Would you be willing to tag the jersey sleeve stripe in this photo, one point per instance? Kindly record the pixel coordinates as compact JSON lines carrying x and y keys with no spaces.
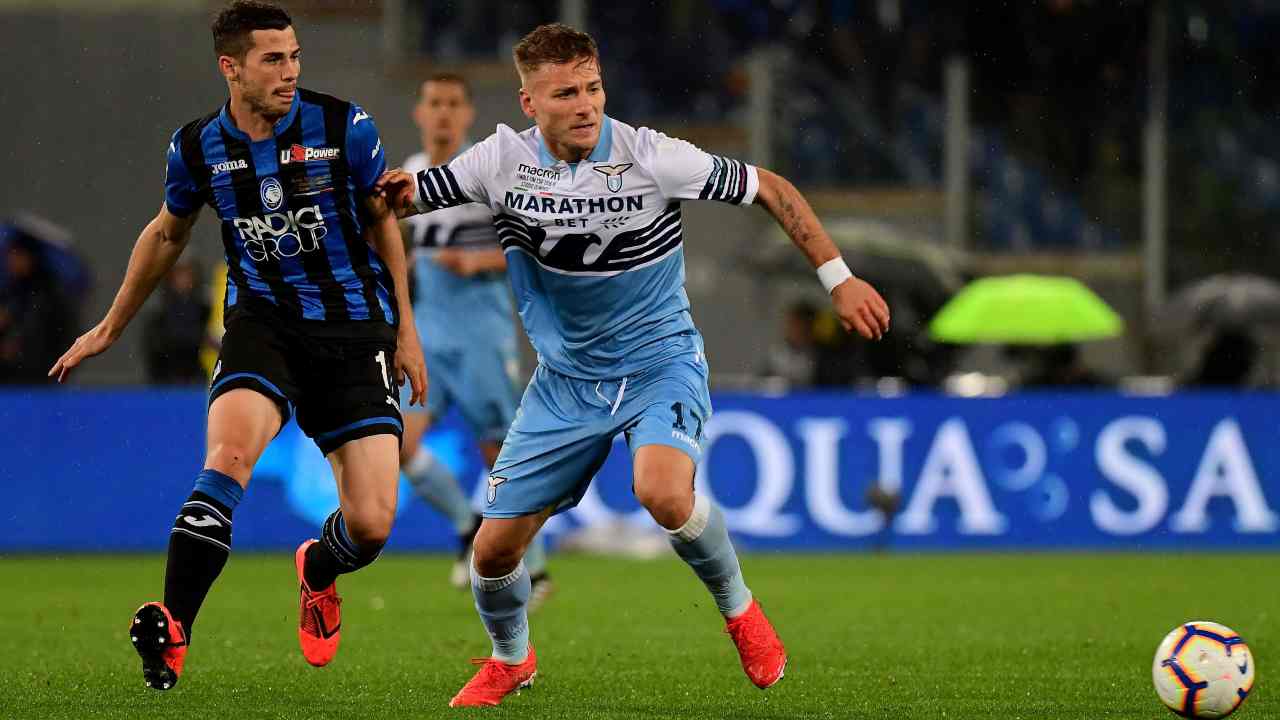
{"x":741,"y":186}
{"x":438,"y":189}
{"x":454,"y":188}
{"x":428,"y":197}
{"x":729,"y":181}
{"x":721,"y":179}
{"x":446,"y":189}
{"x":711,"y":179}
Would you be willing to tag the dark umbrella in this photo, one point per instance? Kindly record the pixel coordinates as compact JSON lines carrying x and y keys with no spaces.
{"x":51,"y":243}
{"x":1226,"y":300}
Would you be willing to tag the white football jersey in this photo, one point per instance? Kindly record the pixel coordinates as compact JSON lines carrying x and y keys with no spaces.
{"x":593,"y":248}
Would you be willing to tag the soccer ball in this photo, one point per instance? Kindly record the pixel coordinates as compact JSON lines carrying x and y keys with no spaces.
{"x":1203,"y":670}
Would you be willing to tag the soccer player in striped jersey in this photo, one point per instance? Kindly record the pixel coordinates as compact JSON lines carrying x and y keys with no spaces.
{"x":464,"y":314}
{"x":588,"y":212}
{"x":315,"y":295}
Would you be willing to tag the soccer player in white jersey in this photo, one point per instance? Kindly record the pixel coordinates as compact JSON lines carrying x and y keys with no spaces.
{"x":588,"y":212}
{"x":464,"y":315}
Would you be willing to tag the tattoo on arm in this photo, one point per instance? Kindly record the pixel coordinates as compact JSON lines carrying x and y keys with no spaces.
{"x":792,"y":222}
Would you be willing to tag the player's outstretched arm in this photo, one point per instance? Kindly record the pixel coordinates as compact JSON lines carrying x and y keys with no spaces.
{"x":397,"y":187}
{"x":158,"y":247}
{"x":384,"y":235}
{"x":856,"y":303}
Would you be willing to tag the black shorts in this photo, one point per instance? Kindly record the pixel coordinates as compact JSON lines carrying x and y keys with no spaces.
{"x":339,"y":384}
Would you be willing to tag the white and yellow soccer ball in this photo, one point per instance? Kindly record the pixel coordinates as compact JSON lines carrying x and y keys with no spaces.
{"x":1203,"y":670}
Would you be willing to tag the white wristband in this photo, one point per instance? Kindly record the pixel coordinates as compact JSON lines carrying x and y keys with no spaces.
{"x":833,"y":272}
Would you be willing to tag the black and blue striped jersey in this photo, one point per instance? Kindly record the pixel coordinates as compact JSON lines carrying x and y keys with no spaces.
{"x":291,"y":209}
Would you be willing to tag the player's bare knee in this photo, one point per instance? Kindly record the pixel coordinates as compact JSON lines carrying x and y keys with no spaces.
{"x":234,"y":459}
{"x":371,"y":532}
{"x":494,"y":558}
{"x":668,"y":504}
{"x":371,"y":536}
{"x":370,"y":527}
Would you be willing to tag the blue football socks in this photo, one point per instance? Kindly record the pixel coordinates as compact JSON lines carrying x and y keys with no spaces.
{"x":501,"y":603}
{"x":435,"y":483}
{"x":703,"y":542}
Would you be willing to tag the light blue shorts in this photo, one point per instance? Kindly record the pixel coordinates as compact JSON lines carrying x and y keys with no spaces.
{"x":478,"y":380}
{"x":565,"y":427}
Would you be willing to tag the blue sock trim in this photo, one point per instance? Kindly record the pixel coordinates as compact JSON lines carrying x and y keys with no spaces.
{"x":338,"y":542}
{"x":222,"y":488}
{"x":344,"y":537}
{"x":715,"y":562}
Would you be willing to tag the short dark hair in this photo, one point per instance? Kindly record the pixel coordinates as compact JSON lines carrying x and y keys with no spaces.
{"x":234,"y":25}
{"x":448,"y":77}
{"x":554,"y":43}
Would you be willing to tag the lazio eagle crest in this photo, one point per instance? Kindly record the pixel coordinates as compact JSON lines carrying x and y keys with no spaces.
{"x":613,"y":174}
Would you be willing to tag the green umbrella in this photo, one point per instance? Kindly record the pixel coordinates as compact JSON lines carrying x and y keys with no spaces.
{"x":1025,"y":310}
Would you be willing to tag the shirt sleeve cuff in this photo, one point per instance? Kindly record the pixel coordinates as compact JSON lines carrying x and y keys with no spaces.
{"x":753,"y":185}
{"x":178,"y":210}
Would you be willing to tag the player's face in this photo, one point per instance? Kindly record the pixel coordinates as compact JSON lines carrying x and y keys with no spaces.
{"x":268,"y":77}
{"x":443,"y":112}
{"x":567,"y":102}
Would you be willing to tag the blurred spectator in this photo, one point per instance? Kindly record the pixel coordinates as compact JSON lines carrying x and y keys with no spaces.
{"x":35,"y":317}
{"x":454,"y":31}
{"x":1060,"y":366}
{"x":1228,"y":360}
{"x":795,"y":358}
{"x":175,"y":331}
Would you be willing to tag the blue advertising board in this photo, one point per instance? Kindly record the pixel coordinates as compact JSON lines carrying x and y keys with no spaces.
{"x":90,"y":470}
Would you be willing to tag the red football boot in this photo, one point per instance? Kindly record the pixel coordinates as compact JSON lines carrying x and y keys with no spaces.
{"x":319,"y":615}
{"x":161,"y":642}
{"x":496,"y":680}
{"x":763,"y":657}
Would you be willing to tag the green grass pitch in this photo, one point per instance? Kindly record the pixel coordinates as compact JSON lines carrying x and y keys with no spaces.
{"x":891,"y":636}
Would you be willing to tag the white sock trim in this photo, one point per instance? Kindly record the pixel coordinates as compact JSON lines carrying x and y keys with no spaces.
{"x":511,"y":659}
{"x":495,"y":584}
{"x":697,"y":522}
{"x":738,"y":611}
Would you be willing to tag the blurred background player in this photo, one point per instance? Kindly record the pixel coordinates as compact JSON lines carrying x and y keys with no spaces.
{"x":588,"y":209}
{"x":42,"y":282}
{"x":466,"y":322}
{"x":317,"y":283}
{"x":175,"y":332}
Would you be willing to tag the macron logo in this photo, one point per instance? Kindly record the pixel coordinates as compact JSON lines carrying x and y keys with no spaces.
{"x":362,"y":115}
{"x":206,"y":521}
